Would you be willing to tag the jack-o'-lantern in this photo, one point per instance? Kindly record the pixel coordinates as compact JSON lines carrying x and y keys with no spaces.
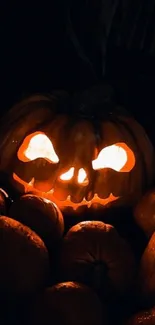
{"x":93,"y":154}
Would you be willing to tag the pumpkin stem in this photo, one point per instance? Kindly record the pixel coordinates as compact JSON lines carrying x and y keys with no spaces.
{"x":94,"y":101}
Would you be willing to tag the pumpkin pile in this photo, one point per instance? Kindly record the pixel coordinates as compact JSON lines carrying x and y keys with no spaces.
{"x":77,"y":213}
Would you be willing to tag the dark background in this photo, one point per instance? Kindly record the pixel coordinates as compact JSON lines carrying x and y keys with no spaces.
{"x":43,"y":47}
{"x":73,"y":45}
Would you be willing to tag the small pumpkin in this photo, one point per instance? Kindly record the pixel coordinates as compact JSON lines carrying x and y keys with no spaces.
{"x":68,"y":303}
{"x":5,"y":202}
{"x":144,"y":213}
{"x":93,"y":253}
{"x":88,"y":152}
{"x":146,"y":276}
{"x":144,"y":317}
{"x":24,"y":266}
{"x":41,"y":215}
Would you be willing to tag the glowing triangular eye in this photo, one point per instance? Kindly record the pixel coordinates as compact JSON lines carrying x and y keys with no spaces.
{"x":116,"y":157}
{"x":37,"y":145}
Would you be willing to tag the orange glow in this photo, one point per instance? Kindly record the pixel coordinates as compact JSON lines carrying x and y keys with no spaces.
{"x":82,"y":177}
{"x":118,"y":157}
{"x":66,"y":203}
{"x":68,"y":175}
{"x":37,"y":145}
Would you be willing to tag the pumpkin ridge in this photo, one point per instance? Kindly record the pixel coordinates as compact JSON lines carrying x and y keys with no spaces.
{"x":144,"y":176}
{"x":149,"y":168}
{"x":18,"y":113}
{"x":117,"y":122}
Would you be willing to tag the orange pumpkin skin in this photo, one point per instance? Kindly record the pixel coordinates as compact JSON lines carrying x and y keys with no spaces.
{"x":25,"y":265}
{"x":68,"y":303}
{"x":41,"y":215}
{"x":144,"y":213}
{"x":77,"y":141}
{"x":146,"y":276}
{"x":5,"y":202}
{"x":93,"y":253}
{"x":145,"y":317}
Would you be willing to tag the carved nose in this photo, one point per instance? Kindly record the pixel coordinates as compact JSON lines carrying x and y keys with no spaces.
{"x":77,"y":176}
{"x":82,"y":178}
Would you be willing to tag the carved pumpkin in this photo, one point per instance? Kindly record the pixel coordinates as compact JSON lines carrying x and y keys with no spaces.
{"x":75,"y":159}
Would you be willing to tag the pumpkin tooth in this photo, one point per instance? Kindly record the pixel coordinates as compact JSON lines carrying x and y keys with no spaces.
{"x":31,"y":183}
{"x":89,"y":204}
{"x":51,"y":191}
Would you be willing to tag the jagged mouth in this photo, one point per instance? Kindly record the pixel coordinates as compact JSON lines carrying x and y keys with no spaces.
{"x":62,"y":204}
